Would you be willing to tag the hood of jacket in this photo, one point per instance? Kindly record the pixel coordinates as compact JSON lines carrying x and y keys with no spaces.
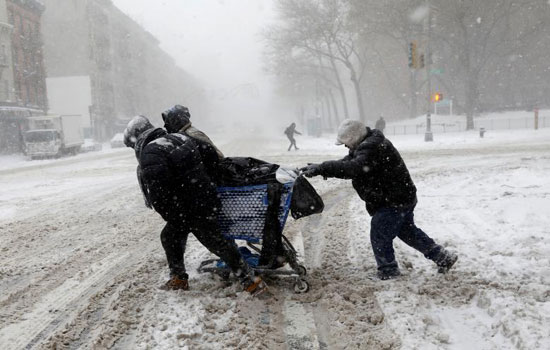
{"x":174,"y":122}
{"x":375,"y":133}
{"x":146,"y":137}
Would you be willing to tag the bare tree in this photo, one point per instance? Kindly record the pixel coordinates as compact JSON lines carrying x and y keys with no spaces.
{"x":397,"y":23}
{"x":303,"y":73}
{"x":475,"y":34}
{"x":322,"y":29}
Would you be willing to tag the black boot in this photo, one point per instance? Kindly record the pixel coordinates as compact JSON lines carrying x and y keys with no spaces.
{"x":388,"y":274}
{"x":445,"y":260}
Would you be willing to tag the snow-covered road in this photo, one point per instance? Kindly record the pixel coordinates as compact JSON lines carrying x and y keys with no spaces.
{"x":81,"y":260}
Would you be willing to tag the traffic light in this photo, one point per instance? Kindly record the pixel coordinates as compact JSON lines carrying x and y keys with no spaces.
{"x":412,"y":55}
{"x":438,"y":96}
{"x":421,"y":61}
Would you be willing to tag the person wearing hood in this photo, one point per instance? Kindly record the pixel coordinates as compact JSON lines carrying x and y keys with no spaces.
{"x":178,"y":120}
{"x":382,"y":181}
{"x":175,"y":182}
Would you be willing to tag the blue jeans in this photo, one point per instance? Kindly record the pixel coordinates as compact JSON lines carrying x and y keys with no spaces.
{"x":388,"y":223}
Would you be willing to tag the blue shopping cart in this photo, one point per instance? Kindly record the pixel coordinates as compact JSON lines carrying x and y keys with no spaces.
{"x":242,"y":217}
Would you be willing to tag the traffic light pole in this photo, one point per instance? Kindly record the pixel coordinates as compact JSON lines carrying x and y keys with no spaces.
{"x":428,"y":136}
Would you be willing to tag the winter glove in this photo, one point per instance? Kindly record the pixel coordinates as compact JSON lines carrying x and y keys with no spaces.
{"x":311,"y":170}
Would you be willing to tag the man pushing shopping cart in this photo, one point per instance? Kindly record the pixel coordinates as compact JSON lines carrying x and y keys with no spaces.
{"x":178,"y":176}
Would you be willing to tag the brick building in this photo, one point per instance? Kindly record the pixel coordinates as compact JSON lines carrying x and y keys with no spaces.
{"x":22,"y":76}
{"x":129,"y":74}
{"x":28,"y":65}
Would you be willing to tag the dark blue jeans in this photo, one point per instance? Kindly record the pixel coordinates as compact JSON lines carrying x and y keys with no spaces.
{"x":388,"y":223}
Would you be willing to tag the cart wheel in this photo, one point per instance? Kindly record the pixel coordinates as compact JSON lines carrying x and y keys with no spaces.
{"x":301,"y":286}
{"x":300,"y":270}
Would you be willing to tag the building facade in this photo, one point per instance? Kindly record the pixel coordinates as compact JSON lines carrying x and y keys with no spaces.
{"x":22,"y":76}
{"x":7,"y":92}
{"x":129,"y":73}
{"x":28,"y":65}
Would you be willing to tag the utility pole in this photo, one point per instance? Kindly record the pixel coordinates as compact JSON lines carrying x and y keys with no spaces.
{"x":428,"y":136}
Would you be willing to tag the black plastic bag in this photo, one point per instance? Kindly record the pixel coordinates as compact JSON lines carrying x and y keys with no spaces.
{"x":244,"y":171}
{"x":305,"y":200}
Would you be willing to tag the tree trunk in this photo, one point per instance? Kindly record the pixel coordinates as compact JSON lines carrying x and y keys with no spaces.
{"x":471,"y":100}
{"x":340,"y":88}
{"x":330,"y":122}
{"x":335,"y":108}
{"x":359,"y":95}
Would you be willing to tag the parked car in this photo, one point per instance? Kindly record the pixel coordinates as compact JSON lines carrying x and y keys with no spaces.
{"x":118,"y":140}
{"x":90,"y":145}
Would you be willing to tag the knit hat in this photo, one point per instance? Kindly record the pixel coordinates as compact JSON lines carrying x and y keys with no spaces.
{"x":351,"y":133}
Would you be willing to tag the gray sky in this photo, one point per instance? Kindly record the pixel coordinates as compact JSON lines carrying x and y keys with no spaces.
{"x":218,"y":41}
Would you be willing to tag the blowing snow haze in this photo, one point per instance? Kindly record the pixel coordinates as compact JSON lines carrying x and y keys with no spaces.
{"x":454,"y":167}
{"x":253,"y":66}
{"x":220,"y":44}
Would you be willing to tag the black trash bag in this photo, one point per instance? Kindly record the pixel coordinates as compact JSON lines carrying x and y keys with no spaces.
{"x":305,"y":200}
{"x":244,"y":171}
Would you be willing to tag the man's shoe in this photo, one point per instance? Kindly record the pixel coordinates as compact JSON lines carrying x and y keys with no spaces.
{"x":272,"y":263}
{"x":254,"y":285}
{"x":388,"y":274}
{"x":176,"y":283}
{"x":446,"y":261}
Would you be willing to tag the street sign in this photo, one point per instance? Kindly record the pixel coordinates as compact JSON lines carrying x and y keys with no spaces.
{"x":436,"y":71}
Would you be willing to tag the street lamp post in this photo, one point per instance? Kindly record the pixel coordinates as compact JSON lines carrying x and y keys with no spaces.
{"x":428,"y":136}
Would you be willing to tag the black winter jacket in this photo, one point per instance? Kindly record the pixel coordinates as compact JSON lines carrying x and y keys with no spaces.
{"x":175,"y":178}
{"x":377,"y":171}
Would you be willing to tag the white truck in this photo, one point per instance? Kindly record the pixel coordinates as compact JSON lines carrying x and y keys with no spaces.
{"x":53,"y":136}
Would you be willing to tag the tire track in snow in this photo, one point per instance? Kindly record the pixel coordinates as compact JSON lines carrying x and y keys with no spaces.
{"x":43,"y":319}
{"x":300,"y":329}
{"x":341,"y":299}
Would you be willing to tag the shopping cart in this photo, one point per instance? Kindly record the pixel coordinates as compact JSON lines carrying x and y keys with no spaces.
{"x":242,"y":217}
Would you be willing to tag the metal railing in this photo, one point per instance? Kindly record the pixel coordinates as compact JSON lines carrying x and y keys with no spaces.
{"x":488,"y":124}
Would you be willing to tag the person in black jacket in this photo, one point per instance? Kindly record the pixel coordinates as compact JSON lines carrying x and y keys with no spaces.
{"x":177,"y":120}
{"x":381,"y":179}
{"x":380,"y":124}
{"x":289,"y":132}
{"x":175,"y":182}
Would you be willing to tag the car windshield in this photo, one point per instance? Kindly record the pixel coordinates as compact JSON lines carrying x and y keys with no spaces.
{"x":40,"y":136}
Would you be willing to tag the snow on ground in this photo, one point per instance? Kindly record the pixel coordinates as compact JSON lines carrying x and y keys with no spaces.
{"x":81,"y":259}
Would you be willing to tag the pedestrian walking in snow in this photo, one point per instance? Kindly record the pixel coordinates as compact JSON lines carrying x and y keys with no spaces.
{"x":289,"y":132}
{"x":380,"y":124}
{"x":175,"y":182}
{"x":381,"y":179}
